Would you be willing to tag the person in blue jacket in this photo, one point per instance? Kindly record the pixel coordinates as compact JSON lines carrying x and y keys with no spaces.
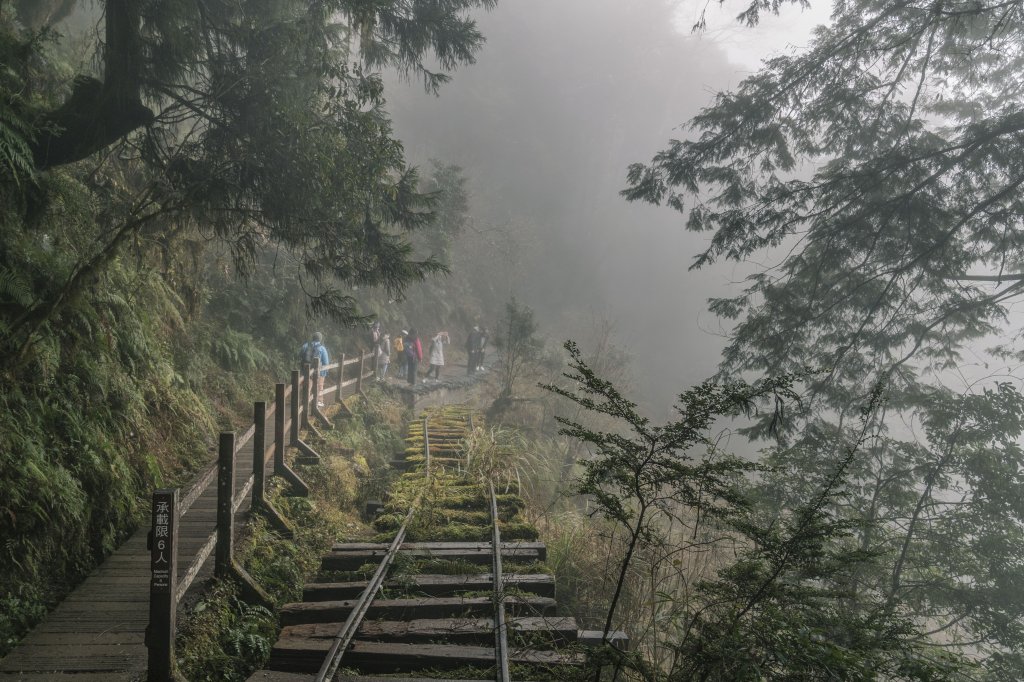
{"x":312,"y":349}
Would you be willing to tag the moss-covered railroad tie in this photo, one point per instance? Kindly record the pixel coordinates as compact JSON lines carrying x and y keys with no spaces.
{"x":431,"y":610}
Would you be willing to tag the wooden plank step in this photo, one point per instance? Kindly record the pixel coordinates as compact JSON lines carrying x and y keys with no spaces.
{"x":39,"y":637}
{"x":350,"y":561}
{"x":557,"y":631}
{"x":364,"y":678}
{"x":386,"y":657}
{"x":95,"y":625}
{"x":277,"y":676}
{"x":108,"y":676}
{"x":383,"y":546}
{"x":405,"y":609}
{"x":75,"y":658}
{"x":434,"y":585}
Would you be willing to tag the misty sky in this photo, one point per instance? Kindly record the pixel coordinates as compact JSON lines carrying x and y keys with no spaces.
{"x":565,"y":94}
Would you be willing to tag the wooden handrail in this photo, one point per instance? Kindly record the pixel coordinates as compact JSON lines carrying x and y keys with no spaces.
{"x":221,"y":537}
{"x":185,"y":580}
{"x":197,"y":489}
{"x":243,"y":440}
{"x":243,"y":493}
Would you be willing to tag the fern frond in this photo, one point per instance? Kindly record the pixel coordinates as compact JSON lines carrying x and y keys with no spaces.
{"x":15,"y":288}
{"x":16,"y":135}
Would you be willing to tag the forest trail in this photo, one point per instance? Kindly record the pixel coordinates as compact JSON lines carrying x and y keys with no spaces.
{"x":98,"y":631}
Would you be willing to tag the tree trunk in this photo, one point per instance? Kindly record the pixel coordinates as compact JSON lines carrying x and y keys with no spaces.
{"x":98,"y":114}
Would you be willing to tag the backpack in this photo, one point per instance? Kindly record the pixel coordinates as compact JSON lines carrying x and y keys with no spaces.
{"x":309,"y":353}
{"x":399,"y":345}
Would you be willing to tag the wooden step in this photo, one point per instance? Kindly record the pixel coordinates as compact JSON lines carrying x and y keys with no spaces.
{"x":382,"y":547}
{"x":554,"y":631}
{"x":405,"y":609}
{"x":435,"y":585}
{"x":374,"y":678}
{"x":277,"y":676}
{"x":352,"y":556}
{"x":387,"y":657}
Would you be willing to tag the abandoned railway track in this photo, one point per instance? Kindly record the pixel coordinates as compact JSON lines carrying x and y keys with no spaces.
{"x":454,"y":585}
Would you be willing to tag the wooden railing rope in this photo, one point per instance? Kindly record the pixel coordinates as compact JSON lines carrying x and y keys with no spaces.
{"x":291,"y":409}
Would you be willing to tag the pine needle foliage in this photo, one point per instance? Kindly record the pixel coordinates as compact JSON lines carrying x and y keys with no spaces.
{"x":881,"y":169}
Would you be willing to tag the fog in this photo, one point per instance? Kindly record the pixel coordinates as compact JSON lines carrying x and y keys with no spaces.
{"x":566,"y":94}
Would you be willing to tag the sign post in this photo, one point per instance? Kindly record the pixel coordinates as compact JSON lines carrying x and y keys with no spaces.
{"x":163,"y":585}
{"x":224,"y":548}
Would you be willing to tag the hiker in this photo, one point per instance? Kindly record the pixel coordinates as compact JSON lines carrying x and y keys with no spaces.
{"x":481,"y":345}
{"x":413,"y":355}
{"x":383,"y":356}
{"x":472,"y":342}
{"x":437,"y":354}
{"x":313,"y":349}
{"x":375,"y":336}
{"x":310,"y":351}
{"x":400,"y":353}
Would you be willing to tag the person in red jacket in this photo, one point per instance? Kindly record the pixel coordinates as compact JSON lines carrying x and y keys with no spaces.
{"x":413,"y":354}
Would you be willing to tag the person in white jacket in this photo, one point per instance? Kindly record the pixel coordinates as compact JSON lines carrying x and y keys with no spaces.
{"x":436,"y":354}
{"x":383,"y":356}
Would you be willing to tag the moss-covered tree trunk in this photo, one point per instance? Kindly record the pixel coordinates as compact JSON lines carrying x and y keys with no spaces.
{"x":97,"y":113}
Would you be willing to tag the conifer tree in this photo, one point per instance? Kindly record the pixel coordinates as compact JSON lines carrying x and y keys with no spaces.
{"x":881,"y":168}
{"x":252,"y":122}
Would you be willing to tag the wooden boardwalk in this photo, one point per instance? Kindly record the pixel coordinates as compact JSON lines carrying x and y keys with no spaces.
{"x":98,"y":631}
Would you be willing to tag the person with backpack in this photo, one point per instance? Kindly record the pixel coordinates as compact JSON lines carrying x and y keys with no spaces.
{"x":437,"y":354}
{"x":400,"y":353}
{"x":413,"y":355}
{"x":313,"y":349}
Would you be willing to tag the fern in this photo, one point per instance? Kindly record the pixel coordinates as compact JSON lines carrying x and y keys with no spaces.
{"x":14,"y":288}
{"x":238,"y":351}
{"x":16,"y":135}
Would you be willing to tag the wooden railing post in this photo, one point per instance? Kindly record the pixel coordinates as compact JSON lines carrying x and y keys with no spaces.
{"x":225,"y":506}
{"x":305,"y":395}
{"x":315,"y":402}
{"x":341,"y":377}
{"x":359,"y":380}
{"x":259,"y":450}
{"x":295,"y":406}
{"x":279,"y":413}
{"x":163,"y":586}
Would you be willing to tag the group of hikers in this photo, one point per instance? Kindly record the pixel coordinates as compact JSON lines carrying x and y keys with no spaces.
{"x":408,"y":352}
